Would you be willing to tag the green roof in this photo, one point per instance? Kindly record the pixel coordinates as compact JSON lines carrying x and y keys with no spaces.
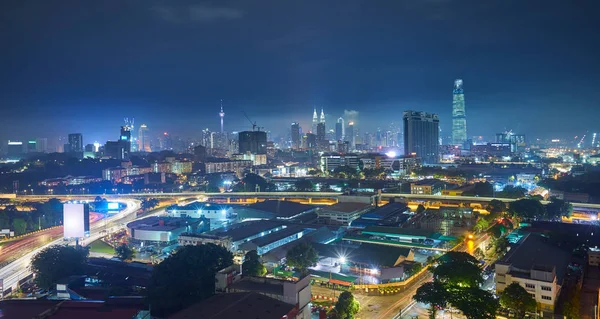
{"x":401,"y":232}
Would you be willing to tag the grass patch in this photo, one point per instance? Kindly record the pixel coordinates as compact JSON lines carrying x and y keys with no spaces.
{"x":98,"y":246}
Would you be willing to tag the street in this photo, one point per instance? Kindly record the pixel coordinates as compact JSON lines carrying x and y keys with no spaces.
{"x":19,"y":268}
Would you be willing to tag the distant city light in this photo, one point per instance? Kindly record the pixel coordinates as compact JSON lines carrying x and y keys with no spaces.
{"x":391,"y":154}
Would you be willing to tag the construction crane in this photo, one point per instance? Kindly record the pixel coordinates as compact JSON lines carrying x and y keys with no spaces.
{"x":581,"y":141}
{"x":254,"y":126}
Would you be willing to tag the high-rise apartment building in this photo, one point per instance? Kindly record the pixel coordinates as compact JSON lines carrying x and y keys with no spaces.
{"x":143,"y":139}
{"x":254,"y":142}
{"x":459,"y":119}
{"x":339,"y":130}
{"x":125,"y":138}
{"x":295,"y":135}
{"x":350,"y":135}
{"x":76,"y":143}
{"x":321,"y":132}
{"x":421,"y":135}
{"x":41,"y":144}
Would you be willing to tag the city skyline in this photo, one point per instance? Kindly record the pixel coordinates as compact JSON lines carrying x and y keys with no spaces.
{"x":523,"y":76}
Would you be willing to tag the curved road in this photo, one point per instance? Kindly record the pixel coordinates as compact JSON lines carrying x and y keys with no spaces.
{"x":19,"y":269}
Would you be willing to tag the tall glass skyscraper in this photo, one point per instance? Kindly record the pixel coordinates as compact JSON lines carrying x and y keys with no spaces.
{"x":459,"y":119}
{"x":421,"y":136}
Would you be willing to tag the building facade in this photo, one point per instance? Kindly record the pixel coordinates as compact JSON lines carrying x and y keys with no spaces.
{"x":459,"y":119}
{"x":421,"y":136}
{"x":254,"y":142}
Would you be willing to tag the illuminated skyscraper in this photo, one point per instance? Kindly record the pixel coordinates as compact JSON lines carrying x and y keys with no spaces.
{"x":421,"y":136}
{"x":143,"y":139}
{"x":350,"y":137}
{"x":295,"y":133}
{"x":315,"y":121}
{"x":322,"y":117}
{"x":459,"y":119}
{"x":75,"y":143}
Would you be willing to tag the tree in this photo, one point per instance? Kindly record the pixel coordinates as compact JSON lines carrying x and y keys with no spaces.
{"x":458,"y":274}
{"x":414,"y":269}
{"x":478,"y":253}
{"x":4,"y":220}
{"x":527,"y":208}
{"x":517,"y":299}
{"x":458,"y":257}
{"x":496,"y":206}
{"x":19,"y":226}
{"x":558,"y":208}
{"x":124,"y":252}
{"x":475,"y":303}
{"x":302,"y":256}
{"x":420,"y":209}
{"x":434,"y":294}
{"x":303,"y":185}
{"x":571,"y":307}
{"x":511,"y":191}
{"x":186,"y":277}
{"x":501,"y":245}
{"x":481,"y":224}
{"x":149,"y":203}
{"x":56,"y":262}
{"x":345,"y":172}
{"x":252,"y":265}
{"x":347,"y":306}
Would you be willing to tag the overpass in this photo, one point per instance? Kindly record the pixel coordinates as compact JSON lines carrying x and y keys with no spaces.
{"x":322,"y":198}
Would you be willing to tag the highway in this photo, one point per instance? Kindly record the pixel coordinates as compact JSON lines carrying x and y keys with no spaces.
{"x":19,"y":268}
{"x":15,"y":248}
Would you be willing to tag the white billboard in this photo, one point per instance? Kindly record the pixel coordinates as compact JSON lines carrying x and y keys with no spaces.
{"x":75,"y":220}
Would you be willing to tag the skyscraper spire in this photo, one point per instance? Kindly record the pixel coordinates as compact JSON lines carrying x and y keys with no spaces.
{"x":322,"y":118}
{"x":222,"y":115}
{"x":315,"y":121}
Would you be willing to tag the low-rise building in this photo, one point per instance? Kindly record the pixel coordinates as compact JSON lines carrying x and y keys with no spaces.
{"x":232,"y":305}
{"x":274,"y":209}
{"x":330,"y":161}
{"x":536,"y":265}
{"x":391,"y":214}
{"x":232,"y":236}
{"x":427,"y":187}
{"x":264,"y":244}
{"x":594,"y":256}
{"x":162,"y":229}
{"x":342,"y":213}
{"x":228,"y":166}
{"x":257,"y":159}
{"x":218,"y":215}
{"x":297,"y":293}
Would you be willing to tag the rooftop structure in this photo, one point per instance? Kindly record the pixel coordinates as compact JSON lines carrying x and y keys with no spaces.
{"x":233,"y":235}
{"x":162,"y":229}
{"x":273,"y":240}
{"x":234,"y":305}
{"x":538,"y":266}
{"x":274,"y":209}
{"x":391,"y":214}
{"x":342,"y":213}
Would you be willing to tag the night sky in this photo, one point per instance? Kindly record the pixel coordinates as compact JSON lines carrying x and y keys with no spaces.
{"x":82,"y":66}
